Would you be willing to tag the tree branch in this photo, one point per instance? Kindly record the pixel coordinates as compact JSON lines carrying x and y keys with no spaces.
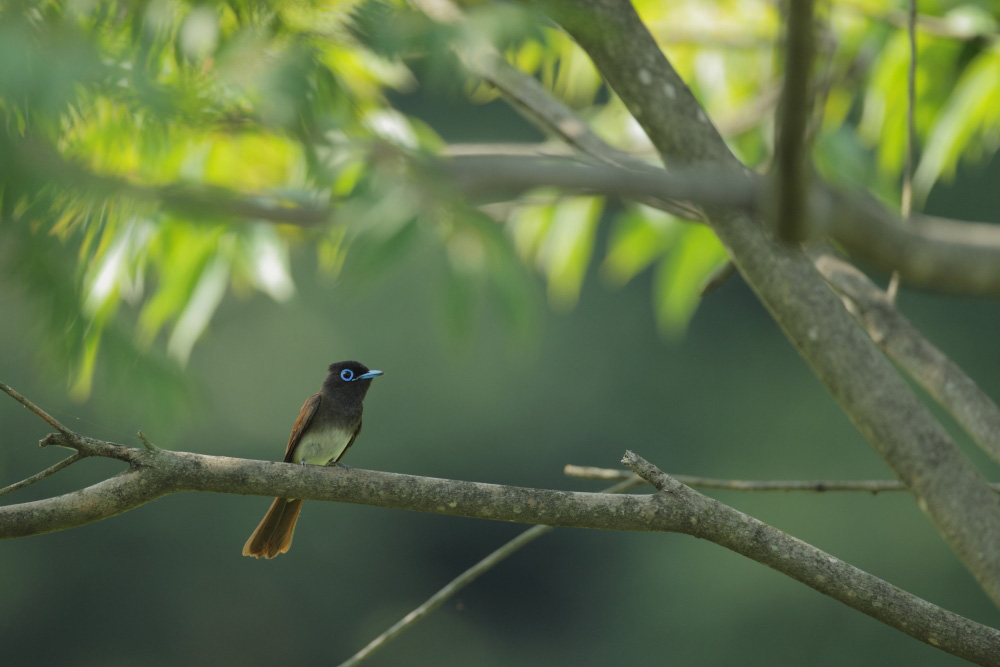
{"x":886,"y":411}
{"x":940,"y":377}
{"x":676,"y":508}
{"x":45,"y":416}
{"x":872,"y":486}
{"x":51,"y":470}
{"x":793,"y":165}
{"x":931,"y":252}
{"x":745,"y":535}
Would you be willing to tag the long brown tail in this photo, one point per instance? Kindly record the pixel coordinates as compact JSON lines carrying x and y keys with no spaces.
{"x":274,"y":534}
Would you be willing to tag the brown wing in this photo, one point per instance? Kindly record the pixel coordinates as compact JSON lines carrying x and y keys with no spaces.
{"x":306,"y":415}
{"x":351,"y":442}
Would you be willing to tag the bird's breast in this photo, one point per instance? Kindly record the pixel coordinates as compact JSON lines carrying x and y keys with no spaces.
{"x":319,"y":447}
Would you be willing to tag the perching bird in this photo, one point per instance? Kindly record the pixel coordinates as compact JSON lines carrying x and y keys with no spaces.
{"x":327,"y":426}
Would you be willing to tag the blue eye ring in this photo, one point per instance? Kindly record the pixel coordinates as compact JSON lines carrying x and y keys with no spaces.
{"x":347,"y":375}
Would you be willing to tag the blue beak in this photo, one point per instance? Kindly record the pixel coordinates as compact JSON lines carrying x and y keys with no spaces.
{"x":369,"y":375}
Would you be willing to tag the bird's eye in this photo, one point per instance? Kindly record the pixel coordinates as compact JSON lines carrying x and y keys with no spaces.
{"x":347,"y":375}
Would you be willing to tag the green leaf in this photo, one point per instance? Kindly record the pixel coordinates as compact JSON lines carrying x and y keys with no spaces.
{"x":641,"y":235}
{"x":199,"y":308}
{"x":679,"y":278}
{"x":969,"y":124}
{"x":567,"y":248}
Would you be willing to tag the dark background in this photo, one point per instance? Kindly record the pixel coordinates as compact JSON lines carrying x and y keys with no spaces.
{"x":165,"y":584}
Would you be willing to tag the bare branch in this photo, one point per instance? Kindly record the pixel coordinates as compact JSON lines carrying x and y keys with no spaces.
{"x":948,"y":384}
{"x":792,"y":158}
{"x":152,"y":475}
{"x":51,"y":470}
{"x":510,"y":176}
{"x":718,"y":278}
{"x":45,"y":416}
{"x":873,"y":486}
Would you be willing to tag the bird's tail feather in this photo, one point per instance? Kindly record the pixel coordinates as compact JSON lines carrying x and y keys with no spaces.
{"x":274,"y":534}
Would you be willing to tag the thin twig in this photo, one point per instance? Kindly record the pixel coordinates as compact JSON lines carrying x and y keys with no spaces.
{"x":717,"y":279}
{"x":906,"y":197}
{"x":819,"y":485}
{"x":463,"y":580}
{"x":150,"y":447}
{"x":49,"y":419}
{"x":51,"y":470}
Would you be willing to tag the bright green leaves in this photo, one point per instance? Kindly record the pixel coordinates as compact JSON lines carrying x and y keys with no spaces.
{"x":558,"y":238}
{"x":968,"y":124}
{"x":178,"y":151}
{"x":641,"y":236}
{"x":685,"y":254}
{"x":681,"y":275}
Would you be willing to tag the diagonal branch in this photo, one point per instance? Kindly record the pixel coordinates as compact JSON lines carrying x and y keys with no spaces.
{"x":884,"y":409}
{"x":45,"y":416}
{"x":940,"y":377}
{"x":37,"y":477}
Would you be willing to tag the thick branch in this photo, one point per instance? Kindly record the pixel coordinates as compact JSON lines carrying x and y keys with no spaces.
{"x":930,"y":252}
{"x":959,"y":394}
{"x":677,"y":509}
{"x":719,"y":523}
{"x":886,"y":411}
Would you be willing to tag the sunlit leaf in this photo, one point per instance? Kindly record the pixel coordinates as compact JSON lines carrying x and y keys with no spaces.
{"x":199,"y":308}
{"x":641,"y":235}
{"x":972,"y":112}
{"x":565,"y":253}
{"x":679,"y":277}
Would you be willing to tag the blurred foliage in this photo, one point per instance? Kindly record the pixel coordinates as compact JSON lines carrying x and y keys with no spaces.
{"x":176,"y":151}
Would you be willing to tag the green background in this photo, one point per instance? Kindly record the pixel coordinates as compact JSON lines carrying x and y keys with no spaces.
{"x":165,"y":584}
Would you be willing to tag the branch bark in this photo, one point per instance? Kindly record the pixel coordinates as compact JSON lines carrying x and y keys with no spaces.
{"x":929,"y":367}
{"x":886,"y":411}
{"x":676,"y":508}
{"x":935,"y":253}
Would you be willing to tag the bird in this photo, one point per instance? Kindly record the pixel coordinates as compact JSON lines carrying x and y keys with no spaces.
{"x":328,"y":424}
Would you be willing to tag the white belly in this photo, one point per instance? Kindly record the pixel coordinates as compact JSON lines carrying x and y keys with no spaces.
{"x":321,"y":447}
